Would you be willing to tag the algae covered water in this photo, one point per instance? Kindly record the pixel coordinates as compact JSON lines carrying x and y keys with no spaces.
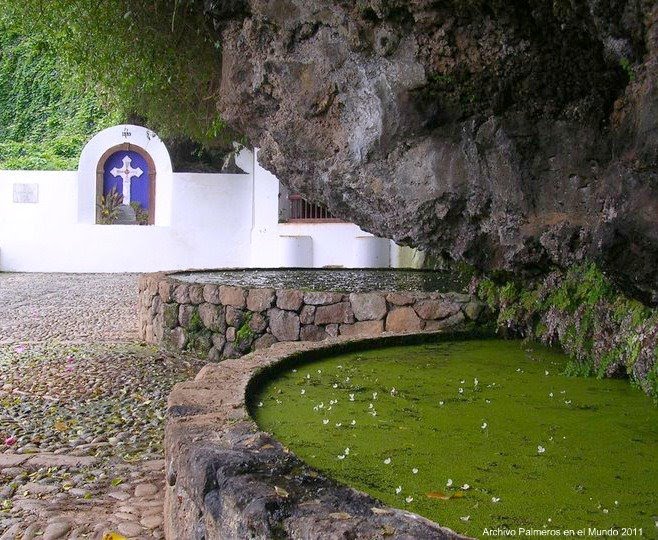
{"x":480,"y":436}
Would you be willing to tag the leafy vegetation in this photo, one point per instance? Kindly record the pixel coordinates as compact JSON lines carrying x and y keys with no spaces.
{"x":45,"y":119}
{"x":154,"y":58}
{"x":605,"y":333}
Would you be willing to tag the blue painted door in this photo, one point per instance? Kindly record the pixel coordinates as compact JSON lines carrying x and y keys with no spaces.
{"x":129,"y":171}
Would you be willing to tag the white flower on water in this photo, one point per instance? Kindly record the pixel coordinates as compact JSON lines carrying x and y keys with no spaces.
{"x":398,"y":490}
{"x":353,"y":422}
{"x":387,"y":461}
{"x":321,"y":405}
{"x":394,"y":392}
{"x":303,"y":391}
{"x":374,"y":395}
{"x":308,"y":375}
{"x":441,"y":403}
{"x":495,"y":499}
{"x":550,"y":395}
{"x":605,"y":510}
{"x":370,"y":406}
{"x":329,"y":408}
{"x":546,"y":372}
{"x":294,"y":371}
{"x":462,"y":382}
{"x":332,"y":402}
{"x":341,"y":457}
{"x":260,"y":403}
{"x":339,"y":367}
{"x":518,"y":369}
{"x":351,"y":397}
{"x":325,"y":421}
{"x":465,"y":518}
{"x":475,"y":382}
{"x":616,"y":503}
{"x":278,"y":402}
{"x":315,"y":408}
{"x":409,"y":499}
{"x":484,"y":425}
{"x":461,"y":390}
{"x":449,"y":482}
{"x":347,"y":379}
{"x":487,"y":401}
{"x":466,"y":487}
{"x":374,"y":413}
{"x":540,"y":449}
{"x":335,"y":385}
{"x":347,"y":451}
{"x":319,"y":371}
{"x":414,"y":470}
{"x":567,"y":402}
{"x":339,"y":424}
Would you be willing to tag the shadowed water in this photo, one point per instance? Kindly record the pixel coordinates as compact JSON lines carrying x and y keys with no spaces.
{"x":354,"y":280}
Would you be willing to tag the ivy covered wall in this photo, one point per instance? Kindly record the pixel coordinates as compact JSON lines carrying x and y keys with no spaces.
{"x":46,"y":116}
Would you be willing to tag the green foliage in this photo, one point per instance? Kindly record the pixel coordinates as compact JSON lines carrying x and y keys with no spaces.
{"x":605,"y":333}
{"x":108,"y":207}
{"x":157,"y":58}
{"x":45,"y":120}
{"x":625,"y":64}
{"x":141,"y":215}
{"x":245,"y":333}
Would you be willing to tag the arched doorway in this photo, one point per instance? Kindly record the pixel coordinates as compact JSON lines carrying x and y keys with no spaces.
{"x":127,"y":174}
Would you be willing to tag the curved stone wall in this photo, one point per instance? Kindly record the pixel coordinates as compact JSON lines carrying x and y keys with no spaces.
{"x":227,"y":479}
{"x":219,"y":321}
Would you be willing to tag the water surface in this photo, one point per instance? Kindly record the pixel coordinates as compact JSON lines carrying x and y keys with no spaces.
{"x":474,"y":434}
{"x":345,"y":280}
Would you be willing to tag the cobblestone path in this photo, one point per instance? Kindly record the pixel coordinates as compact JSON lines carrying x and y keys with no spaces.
{"x":82,"y":406}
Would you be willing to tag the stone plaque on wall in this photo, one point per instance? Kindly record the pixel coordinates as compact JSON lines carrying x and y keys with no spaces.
{"x":26,"y":193}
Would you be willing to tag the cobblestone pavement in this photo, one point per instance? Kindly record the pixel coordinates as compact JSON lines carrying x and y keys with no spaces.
{"x":68,"y":307}
{"x":82,"y":405}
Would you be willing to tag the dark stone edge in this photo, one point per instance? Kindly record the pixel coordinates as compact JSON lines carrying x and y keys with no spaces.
{"x":227,"y":479}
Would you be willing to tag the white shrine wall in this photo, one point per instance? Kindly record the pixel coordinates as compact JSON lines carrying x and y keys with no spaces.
{"x":201,"y":221}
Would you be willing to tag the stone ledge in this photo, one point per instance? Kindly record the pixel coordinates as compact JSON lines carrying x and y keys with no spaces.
{"x":217,"y":321}
{"x":227,"y":479}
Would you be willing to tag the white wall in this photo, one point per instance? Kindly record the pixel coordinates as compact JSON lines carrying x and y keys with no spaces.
{"x":205,"y":221}
{"x":210,"y":228}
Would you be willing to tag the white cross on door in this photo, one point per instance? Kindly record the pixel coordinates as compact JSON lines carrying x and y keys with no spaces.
{"x":126,"y":173}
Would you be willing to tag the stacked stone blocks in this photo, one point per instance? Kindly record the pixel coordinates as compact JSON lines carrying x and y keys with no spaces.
{"x":221,"y":321}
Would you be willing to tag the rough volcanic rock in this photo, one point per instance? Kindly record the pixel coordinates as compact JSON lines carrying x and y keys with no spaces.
{"x":513,"y":135}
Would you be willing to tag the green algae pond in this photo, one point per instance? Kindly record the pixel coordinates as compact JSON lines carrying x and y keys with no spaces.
{"x":482,"y":436}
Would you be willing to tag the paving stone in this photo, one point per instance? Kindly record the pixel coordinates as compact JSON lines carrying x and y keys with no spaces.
{"x":12,"y":460}
{"x":130,"y":529}
{"x":52,"y":460}
{"x":119,"y":495}
{"x":56,"y":530}
{"x":145,"y":490}
{"x":151,"y":522}
{"x":39,"y":489}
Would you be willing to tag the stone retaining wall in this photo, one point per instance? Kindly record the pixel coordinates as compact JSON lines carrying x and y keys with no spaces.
{"x":219,"y":321}
{"x":227,"y":479}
